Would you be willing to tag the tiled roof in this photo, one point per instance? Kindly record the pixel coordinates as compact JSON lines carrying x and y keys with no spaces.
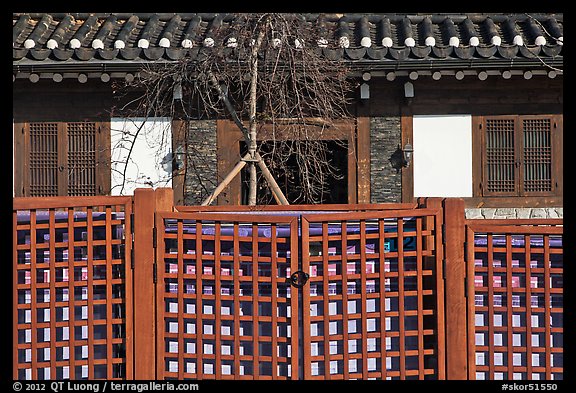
{"x":384,"y":40}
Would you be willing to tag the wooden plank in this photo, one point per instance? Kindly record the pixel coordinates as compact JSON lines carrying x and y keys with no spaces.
{"x":471,"y":308}
{"x":547,"y":309}
{"x":52,"y":250}
{"x":236,"y":313}
{"x":363,"y":158}
{"x":15,"y":296}
{"x":401,"y":294}
{"x":128,"y":291}
{"x":306,"y":334}
{"x":455,"y":273}
{"x":90,"y":284}
{"x":144,"y":299}
{"x":528,"y":279}
{"x":420,"y":300}
{"x":352,"y":166}
{"x":179,"y":128}
{"x":199,"y":306}
{"x":345,"y":207}
{"x":407,"y":172}
{"x":477,"y":156}
{"x":33,"y":303}
{"x":25,"y":203}
{"x":103,"y":158}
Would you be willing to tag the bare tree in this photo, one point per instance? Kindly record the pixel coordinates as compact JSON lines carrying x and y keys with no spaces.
{"x":261,"y":71}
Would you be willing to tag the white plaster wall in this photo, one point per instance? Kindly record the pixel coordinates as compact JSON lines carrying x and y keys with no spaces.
{"x":442,"y":156}
{"x":149,"y":164}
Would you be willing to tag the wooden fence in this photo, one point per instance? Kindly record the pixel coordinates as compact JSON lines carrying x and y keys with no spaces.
{"x":136,"y":288}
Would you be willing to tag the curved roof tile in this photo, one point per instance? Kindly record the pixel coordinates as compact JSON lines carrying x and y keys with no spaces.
{"x":377,"y":38}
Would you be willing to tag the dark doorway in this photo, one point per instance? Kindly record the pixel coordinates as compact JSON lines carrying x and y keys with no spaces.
{"x":288,"y":175}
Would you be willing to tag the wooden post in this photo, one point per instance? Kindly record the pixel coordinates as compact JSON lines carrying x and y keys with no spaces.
{"x":146,"y":202}
{"x":436,"y":223}
{"x":363,"y":160}
{"x":454,"y":285}
{"x":179,"y":128}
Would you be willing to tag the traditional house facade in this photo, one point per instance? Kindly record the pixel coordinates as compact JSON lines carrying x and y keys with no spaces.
{"x":476,"y":98}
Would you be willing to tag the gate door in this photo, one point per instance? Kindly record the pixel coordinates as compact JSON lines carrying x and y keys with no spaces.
{"x":72,"y":287}
{"x":515,"y":301}
{"x":374,"y":304}
{"x":226,"y":308}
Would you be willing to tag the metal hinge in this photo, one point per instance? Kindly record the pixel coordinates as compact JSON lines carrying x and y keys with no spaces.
{"x":465,"y":287}
{"x":444,"y":269}
{"x":155,"y":272}
{"x":154,"y":237}
{"x":132,"y":259}
{"x":132,"y":223}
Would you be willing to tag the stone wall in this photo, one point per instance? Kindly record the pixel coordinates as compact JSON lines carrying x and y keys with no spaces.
{"x":385,"y":179}
{"x":201,"y":174}
{"x":516,"y":212}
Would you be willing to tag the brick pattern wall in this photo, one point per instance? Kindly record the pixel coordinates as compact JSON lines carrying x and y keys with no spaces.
{"x":385,"y":179}
{"x":201,"y":176}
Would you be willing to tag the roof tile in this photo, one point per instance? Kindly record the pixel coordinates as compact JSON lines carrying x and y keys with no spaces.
{"x":379,"y":38}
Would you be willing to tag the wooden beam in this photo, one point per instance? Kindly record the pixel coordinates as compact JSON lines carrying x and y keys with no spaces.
{"x":455,"y":290}
{"x":178,"y":175}
{"x":146,"y":202}
{"x":363,"y":160}
{"x":407,"y":172}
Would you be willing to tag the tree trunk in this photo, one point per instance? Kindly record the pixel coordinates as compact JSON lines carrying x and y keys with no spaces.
{"x":253,"y":182}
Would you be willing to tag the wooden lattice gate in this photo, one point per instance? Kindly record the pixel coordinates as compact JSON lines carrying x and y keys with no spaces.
{"x":136,"y":288}
{"x":72,"y":296}
{"x":291,"y":295}
{"x":515,"y":301}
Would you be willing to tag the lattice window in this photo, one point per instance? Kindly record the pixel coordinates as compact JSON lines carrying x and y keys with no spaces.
{"x":43,"y":159}
{"x":61,"y":159}
{"x":519,"y":156}
{"x":500,"y":155}
{"x":537,"y":155}
{"x":81,"y":158}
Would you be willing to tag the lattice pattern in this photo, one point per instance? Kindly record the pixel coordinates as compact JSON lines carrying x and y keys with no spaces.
{"x":500,"y":155}
{"x":81,"y":158}
{"x":43,"y":159}
{"x":225,"y":308}
{"x":537,"y":155}
{"x":373,"y":296}
{"x":70,"y":284}
{"x":516,"y":306}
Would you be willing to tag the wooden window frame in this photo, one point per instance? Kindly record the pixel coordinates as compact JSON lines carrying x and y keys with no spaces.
{"x":22,"y":154}
{"x":520,"y":198}
{"x":354,"y":132}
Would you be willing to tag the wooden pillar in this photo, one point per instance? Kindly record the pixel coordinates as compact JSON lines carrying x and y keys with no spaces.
{"x":179,"y":145}
{"x":454,"y":286}
{"x":363,"y":151}
{"x":146,"y":202}
{"x":407,"y":172}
